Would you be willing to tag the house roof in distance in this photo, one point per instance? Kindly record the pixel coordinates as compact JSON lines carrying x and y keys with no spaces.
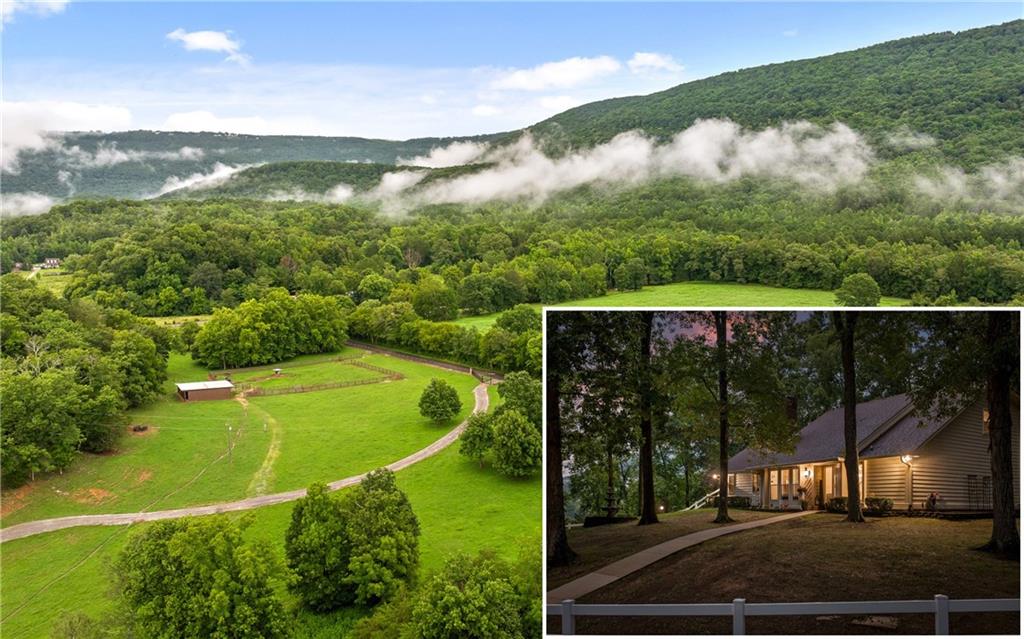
{"x":208,"y":385}
{"x":885,"y":427}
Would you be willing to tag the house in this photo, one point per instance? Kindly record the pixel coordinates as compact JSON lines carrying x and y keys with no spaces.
{"x":198,"y":391}
{"x":904,"y":456}
{"x":51,"y":262}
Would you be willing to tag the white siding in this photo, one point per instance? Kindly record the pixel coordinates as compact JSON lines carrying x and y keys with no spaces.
{"x":745,"y":482}
{"x":959,"y":450}
{"x":887,"y":477}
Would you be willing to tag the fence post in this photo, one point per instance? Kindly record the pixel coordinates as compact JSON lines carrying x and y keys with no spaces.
{"x":739,"y":621}
{"x":568,"y":622}
{"x":941,"y":615}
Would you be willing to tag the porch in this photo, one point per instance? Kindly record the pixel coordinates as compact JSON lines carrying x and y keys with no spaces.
{"x":795,"y":487}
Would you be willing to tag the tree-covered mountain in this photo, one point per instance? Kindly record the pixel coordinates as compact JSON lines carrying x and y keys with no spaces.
{"x":138,"y":164}
{"x":964,"y":89}
{"x":309,"y":179}
{"x":945,"y":98}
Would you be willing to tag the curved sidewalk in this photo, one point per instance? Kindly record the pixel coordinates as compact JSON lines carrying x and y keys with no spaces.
{"x":30,"y":528}
{"x":614,"y":571}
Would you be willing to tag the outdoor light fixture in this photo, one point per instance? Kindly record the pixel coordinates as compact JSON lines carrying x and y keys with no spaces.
{"x":715,"y":476}
{"x":906,"y":459}
{"x":807,"y":472}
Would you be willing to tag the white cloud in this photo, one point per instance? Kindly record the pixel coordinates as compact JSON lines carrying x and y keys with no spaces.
{"x":567,"y":73}
{"x":647,"y":62}
{"x":905,"y":139}
{"x":31,"y":126}
{"x":454,"y":154}
{"x":13,"y":204}
{"x":817,"y":158}
{"x":485,"y":110}
{"x":791,"y":33}
{"x":340,"y":193}
{"x":110,"y":155}
{"x":217,"y":41}
{"x":41,"y":8}
{"x":220,"y":174}
{"x":999,"y":186}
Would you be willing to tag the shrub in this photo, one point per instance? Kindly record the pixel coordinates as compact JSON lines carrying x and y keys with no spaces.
{"x":859,"y":289}
{"x":318,"y":549}
{"x":198,"y":577}
{"x":384,"y":532}
{"x":472,"y":597}
{"x":517,"y":444}
{"x":836,"y":505}
{"x":734,"y":501}
{"x":478,"y":438}
{"x":440,"y":401}
{"x":878,"y":504}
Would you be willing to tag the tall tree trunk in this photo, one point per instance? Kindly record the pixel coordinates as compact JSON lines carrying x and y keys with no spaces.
{"x":1003,"y":341}
{"x":686,"y":478}
{"x":648,"y":513}
{"x":721,"y":353}
{"x":558,"y":551}
{"x":845,"y":324}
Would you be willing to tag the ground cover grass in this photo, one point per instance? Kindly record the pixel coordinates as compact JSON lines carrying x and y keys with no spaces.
{"x":692,"y":294}
{"x":54,"y":281}
{"x":278,"y":443}
{"x":308,"y":375}
{"x":601,"y":545}
{"x":461,"y":507}
{"x":823,"y":558}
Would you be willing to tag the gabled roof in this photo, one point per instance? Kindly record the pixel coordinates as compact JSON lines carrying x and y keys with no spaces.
{"x":885,"y":427}
{"x":192,"y":386}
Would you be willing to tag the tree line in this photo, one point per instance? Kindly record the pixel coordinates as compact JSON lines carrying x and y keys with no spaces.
{"x":68,"y":372}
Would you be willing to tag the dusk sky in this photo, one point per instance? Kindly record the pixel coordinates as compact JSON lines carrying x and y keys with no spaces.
{"x":398,"y":70}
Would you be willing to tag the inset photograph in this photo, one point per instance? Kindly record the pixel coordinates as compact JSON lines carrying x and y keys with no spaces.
{"x":769,"y":472}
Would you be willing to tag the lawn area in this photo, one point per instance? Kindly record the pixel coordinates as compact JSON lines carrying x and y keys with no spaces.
{"x":461,"y":507}
{"x":54,"y":281}
{"x":601,"y":545}
{"x":178,"y":320}
{"x":692,"y":294}
{"x":180,"y":460}
{"x":822,"y":558}
{"x":305,"y":375}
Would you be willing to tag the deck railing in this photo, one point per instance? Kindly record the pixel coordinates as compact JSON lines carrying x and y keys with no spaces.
{"x":739,"y":610}
{"x":700,"y":503}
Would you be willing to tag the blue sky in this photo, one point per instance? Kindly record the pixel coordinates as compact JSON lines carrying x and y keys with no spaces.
{"x":403,"y":70}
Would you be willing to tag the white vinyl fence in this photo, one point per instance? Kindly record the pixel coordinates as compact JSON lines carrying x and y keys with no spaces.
{"x":739,"y":610}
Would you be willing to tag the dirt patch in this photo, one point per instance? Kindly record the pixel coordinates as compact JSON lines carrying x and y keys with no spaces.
{"x":92,"y":495}
{"x":135,"y":430}
{"x":15,"y":500}
{"x":144,"y":475}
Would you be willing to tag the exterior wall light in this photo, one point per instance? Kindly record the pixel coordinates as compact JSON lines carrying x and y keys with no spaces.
{"x":715,"y":476}
{"x":807,"y":472}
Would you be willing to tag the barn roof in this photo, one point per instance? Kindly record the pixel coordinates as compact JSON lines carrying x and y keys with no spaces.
{"x":208,"y":385}
{"x":885,"y":427}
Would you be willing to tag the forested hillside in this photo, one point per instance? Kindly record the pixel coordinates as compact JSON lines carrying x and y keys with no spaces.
{"x":963,"y":89}
{"x":138,"y":163}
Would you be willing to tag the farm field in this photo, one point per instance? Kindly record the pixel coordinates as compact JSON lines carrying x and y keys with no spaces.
{"x":461,"y":507}
{"x":279,"y":443}
{"x":695,"y":294}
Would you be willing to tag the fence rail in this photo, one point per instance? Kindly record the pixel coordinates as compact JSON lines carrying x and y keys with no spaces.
{"x":739,"y":610}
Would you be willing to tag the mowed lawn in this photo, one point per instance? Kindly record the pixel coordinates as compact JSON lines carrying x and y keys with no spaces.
{"x":822,"y":558}
{"x":460,"y":506}
{"x":601,"y":545}
{"x":305,"y":375}
{"x":278,"y":443}
{"x":692,"y":294}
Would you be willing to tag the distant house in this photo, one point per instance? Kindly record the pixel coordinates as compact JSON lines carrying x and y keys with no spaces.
{"x":903,"y":456}
{"x":199,"y":391}
{"x":18,"y":266}
{"x":51,"y":262}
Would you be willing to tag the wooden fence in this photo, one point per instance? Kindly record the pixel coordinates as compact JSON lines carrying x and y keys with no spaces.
{"x":739,"y":610}
{"x":386,"y":375}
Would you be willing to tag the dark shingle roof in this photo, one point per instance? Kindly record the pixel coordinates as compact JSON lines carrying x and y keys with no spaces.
{"x":823,"y":438}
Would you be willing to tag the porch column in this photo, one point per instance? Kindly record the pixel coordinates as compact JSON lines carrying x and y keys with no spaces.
{"x":763,"y":478}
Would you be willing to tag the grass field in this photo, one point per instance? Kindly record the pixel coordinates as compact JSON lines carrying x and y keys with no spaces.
{"x":693,"y":294}
{"x":822,"y":558}
{"x":181,"y":459}
{"x":461,"y":507}
{"x":178,"y":320}
{"x":304,"y":375}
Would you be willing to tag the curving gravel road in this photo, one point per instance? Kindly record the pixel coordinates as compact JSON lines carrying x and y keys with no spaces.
{"x":30,"y":528}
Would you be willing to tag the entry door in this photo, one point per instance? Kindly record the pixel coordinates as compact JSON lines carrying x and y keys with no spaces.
{"x":819,"y":483}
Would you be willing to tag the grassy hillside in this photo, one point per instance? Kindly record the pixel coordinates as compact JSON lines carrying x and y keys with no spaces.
{"x":964,"y":89}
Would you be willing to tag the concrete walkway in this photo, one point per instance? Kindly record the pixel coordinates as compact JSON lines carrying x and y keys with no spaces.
{"x":614,"y":571}
{"x":30,"y":528}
